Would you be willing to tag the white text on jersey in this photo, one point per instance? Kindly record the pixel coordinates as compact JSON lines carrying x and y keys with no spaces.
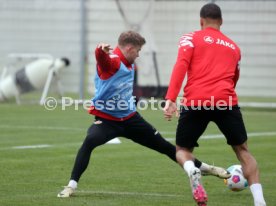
{"x":185,"y":40}
{"x":225,"y":43}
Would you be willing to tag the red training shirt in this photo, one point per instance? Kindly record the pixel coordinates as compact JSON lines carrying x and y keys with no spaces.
{"x":107,"y":66}
{"x":211,"y":61}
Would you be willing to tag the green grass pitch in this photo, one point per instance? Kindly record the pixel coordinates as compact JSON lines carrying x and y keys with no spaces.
{"x":125,"y":174}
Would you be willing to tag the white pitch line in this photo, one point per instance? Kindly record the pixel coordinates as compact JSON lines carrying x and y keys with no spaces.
{"x":253,"y":134}
{"x":32,"y":146}
{"x":129,"y":193}
{"x":217,"y":136}
{"x":39,"y":146}
{"x":117,"y":141}
{"x":211,"y":136}
{"x":39,"y":127}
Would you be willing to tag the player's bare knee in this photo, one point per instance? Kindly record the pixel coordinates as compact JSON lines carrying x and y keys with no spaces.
{"x":240,"y":148}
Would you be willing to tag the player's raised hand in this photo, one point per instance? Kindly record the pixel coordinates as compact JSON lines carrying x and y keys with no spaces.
{"x":105,"y":47}
{"x":170,"y":109}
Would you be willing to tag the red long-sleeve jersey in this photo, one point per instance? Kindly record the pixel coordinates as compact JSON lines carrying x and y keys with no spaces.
{"x":211,"y":62}
{"x":107,"y":66}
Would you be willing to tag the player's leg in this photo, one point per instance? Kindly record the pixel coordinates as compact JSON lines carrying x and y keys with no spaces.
{"x":143,"y":133}
{"x":251,"y":172}
{"x":191,"y":125}
{"x":231,"y":124}
{"x":98,"y":134}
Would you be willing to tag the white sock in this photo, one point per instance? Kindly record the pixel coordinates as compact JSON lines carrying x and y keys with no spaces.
{"x":257,"y":192}
{"x":188,"y":166}
{"x":73,"y":184}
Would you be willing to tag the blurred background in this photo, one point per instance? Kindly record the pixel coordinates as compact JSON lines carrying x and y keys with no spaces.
{"x":33,"y":29}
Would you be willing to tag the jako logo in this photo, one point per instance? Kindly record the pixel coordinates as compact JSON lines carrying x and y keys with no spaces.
{"x":225,"y":43}
{"x":208,"y":39}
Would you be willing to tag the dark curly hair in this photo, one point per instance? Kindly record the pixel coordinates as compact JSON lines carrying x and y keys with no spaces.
{"x":211,"y":11}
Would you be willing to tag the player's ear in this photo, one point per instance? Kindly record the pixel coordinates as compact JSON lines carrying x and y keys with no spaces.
{"x":201,"y":22}
{"x":221,"y":21}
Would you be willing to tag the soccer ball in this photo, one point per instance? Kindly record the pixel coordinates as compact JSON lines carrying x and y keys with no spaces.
{"x":237,"y":181}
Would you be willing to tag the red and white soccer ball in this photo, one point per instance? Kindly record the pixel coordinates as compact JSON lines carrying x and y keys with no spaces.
{"x":237,"y":181}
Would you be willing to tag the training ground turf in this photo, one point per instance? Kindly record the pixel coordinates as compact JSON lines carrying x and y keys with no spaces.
{"x":38,"y":148}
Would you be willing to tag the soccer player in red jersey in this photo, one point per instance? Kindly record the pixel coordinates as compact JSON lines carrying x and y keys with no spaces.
{"x":115,"y":112}
{"x":211,"y":61}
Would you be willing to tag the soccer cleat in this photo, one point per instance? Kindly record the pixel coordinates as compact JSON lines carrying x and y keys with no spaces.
{"x":66,"y":192}
{"x":216,"y":171}
{"x":199,"y":194}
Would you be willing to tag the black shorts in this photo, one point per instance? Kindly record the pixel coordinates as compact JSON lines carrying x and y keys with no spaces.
{"x":192,"y":123}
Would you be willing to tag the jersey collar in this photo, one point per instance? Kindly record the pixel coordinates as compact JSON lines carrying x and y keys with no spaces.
{"x":211,"y":28}
{"x":122,"y":57}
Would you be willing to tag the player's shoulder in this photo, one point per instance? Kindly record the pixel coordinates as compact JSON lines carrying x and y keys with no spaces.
{"x":189,"y":35}
{"x":115,"y":59}
{"x":187,"y":39}
{"x":228,"y":42}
